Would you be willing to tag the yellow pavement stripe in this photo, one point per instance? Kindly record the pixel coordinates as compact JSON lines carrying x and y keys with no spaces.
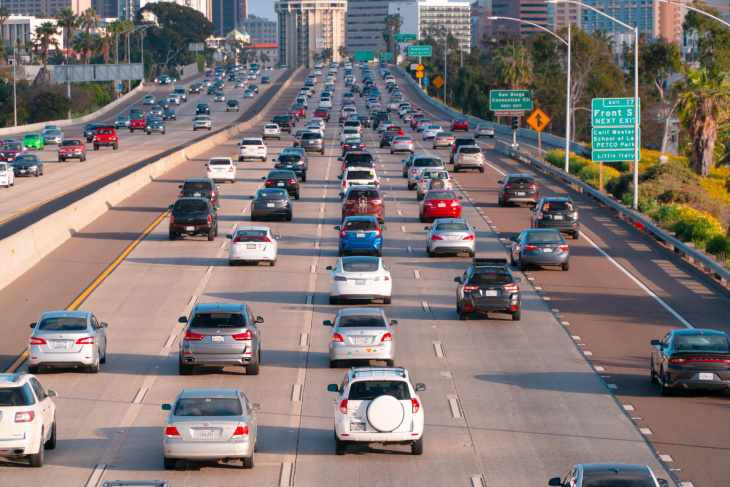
{"x":17,"y":363}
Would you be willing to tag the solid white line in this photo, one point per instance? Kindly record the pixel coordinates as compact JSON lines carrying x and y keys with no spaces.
{"x":496,"y":169}
{"x":285,"y":475}
{"x":565,"y":323}
{"x":243,"y":211}
{"x":170,"y":341}
{"x":192,"y":300}
{"x":303,"y":339}
{"x":648,"y":291}
{"x":96,"y":475}
{"x":140,"y":395}
{"x":233,"y":227}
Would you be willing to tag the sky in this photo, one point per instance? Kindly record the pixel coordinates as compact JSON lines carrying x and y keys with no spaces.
{"x":262,"y":8}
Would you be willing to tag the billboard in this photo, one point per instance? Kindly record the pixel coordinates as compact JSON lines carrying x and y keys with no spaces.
{"x":319,"y":43}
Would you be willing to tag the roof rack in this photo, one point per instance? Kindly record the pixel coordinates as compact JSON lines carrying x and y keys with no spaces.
{"x":399,"y":370}
{"x":483,"y":262}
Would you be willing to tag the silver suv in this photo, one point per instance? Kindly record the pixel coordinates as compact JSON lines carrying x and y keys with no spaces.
{"x":468,"y":157}
{"x":219,"y":335}
{"x":311,"y":142}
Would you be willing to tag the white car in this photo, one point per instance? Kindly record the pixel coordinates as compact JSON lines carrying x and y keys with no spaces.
{"x":432,"y":178}
{"x":358,"y":176}
{"x":252,"y":244}
{"x":318,"y":121}
{"x":271,"y":130}
{"x":148,"y":100}
{"x":28,"y":425}
{"x":201,"y":122}
{"x":7,"y":175}
{"x":360,"y":277}
{"x":221,"y":169}
{"x":252,"y":148}
{"x":349,"y":132}
{"x":430,"y":131}
{"x":378,"y":405}
{"x":325,"y":103}
{"x":302,"y":99}
{"x":174,"y":98}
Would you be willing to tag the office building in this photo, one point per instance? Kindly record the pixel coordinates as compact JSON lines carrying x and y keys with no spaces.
{"x":226,"y":15}
{"x":425,"y":17}
{"x":308,"y":27}
{"x":364,"y":25}
{"x":653,"y":18}
{"x":32,"y":8}
{"x":22,"y":27}
{"x":530,"y":10}
{"x":262,"y":31}
{"x":481,"y":26}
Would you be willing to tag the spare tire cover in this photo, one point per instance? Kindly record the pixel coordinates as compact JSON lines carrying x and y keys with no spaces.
{"x":385,"y":413}
{"x":437,"y":184}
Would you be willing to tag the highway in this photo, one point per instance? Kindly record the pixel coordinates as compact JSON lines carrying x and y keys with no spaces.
{"x":507,"y":403}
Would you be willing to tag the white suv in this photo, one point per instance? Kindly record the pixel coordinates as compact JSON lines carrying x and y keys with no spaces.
{"x":221,"y":169}
{"x":432,"y":178}
{"x":378,"y":405}
{"x":28,"y":418}
{"x":271,"y":130}
{"x":252,"y":148}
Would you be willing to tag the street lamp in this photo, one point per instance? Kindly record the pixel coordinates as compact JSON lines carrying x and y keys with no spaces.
{"x":635,"y":199}
{"x":567,"y":90}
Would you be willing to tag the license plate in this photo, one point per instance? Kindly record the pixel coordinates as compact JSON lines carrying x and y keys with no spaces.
{"x":270,"y":205}
{"x":707,"y":376}
{"x":190,"y":229}
{"x":205,"y":433}
{"x":442,"y":205}
{"x":520,"y":193}
{"x":251,"y":246}
{"x":217,"y":338}
{"x":557,"y":217}
{"x":360,"y":282}
{"x":491,"y":292}
{"x":547,"y":250}
{"x":280,"y":184}
{"x":361,"y":341}
{"x":23,"y":171}
{"x":60,"y":345}
{"x":360,"y":235}
{"x":357,"y":426}
{"x":197,"y":195}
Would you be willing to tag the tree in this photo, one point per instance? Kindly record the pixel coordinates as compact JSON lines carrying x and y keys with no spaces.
{"x":393,"y":23}
{"x":88,"y":19}
{"x":85,"y":44}
{"x":326,"y":54}
{"x":705,"y":102}
{"x":44,"y":38}
{"x":512,"y":67}
{"x":66,"y":20}
{"x":49,"y":105}
{"x":342,"y":51}
{"x":713,"y":39}
{"x":264,"y":57}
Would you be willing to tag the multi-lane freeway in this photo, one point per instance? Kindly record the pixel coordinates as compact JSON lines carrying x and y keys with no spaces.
{"x":507,"y":403}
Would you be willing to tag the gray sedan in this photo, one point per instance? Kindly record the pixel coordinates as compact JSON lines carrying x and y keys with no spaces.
{"x":540,"y":246}
{"x":52,"y":136}
{"x":450,"y":236}
{"x":361,"y":334}
{"x":210,"y":424}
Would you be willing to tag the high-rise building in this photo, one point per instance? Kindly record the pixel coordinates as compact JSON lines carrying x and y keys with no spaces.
{"x":106,"y":8}
{"x":262,"y":31}
{"x":425,"y":16}
{"x":364,"y":25}
{"x":481,"y":26}
{"x":308,"y":27}
{"x":202,"y":6}
{"x":653,"y":18}
{"x":34,"y":7}
{"x":530,"y":10}
{"x":227,"y":14}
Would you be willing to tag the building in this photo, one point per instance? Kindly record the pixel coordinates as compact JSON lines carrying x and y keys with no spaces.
{"x":262,"y":31}
{"x":560,"y":14}
{"x":22,"y":27}
{"x":364,"y":25}
{"x":307,"y":27}
{"x":31,"y":8}
{"x":226,"y":15}
{"x":270,"y":49}
{"x":106,"y":8}
{"x":423,"y":16}
{"x":653,"y":18}
{"x":529,"y":10}
{"x":481,"y":26}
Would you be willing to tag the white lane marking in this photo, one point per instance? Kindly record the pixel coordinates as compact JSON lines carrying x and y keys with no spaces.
{"x":303,"y":339}
{"x":425,"y":306}
{"x":403,"y":228}
{"x":477,"y":481}
{"x":575,"y":337}
{"x":496,"y":169}
{"x":646,"y":431}
{"x":599,"y":368}
{"x":285,"y":475}
{"x":555,"y":310}
{"x":243,"y":211}
{"x":410,"y":249}
{"x":210,"y":270}
{"x":400,"y":212}
{"x":316,"y":245}
{"x":539,"y":288}
{"x":587,"y":352}
{"x":309,"y":300}
{"x":233,"y":227}
{"x":170,"y":341}
{"x":192,"y":300}
{"x":628,"y":407}
{"x":438,"y":349}
{"x":140,"y":395}
{"x":319,"y":225}
{"x":313,"y":268}
{"x":648,"y":291}
{"x":296,"y":393}
{"x":545,"y":298}
{"x":417,"y":274}
{"x":666,"y":458}
{"x":454,"y":405}
{"x":530,"y":278}
{"x":96,"y":475}
{"x":612,"y":386}
{"x":565,"y":323}
{"x":223,"y":244}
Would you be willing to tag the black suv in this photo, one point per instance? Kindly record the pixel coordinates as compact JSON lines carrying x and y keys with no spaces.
{"x":202,"y":109}
{"x":200,"y":188}
{"x":90,"y":130}
{"x":284,"y":122}
{"x":518,"y":188}
{"x":459,"y":141}
{"x":283,"y":179}
{"x":357,"y":158}
{"x":294,"y":162}
{"x":193,"y":216}
{"x":558,"y":213}
{"x":488,"y":286}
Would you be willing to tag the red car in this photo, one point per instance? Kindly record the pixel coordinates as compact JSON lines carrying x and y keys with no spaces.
{"x":107,"y":137}
{"x":137,"y":123}
{"x":72,"y":149}
{"x":322,"y":113}
{"x":294,"y":113}
{"x":460,"y":124}
{"x":300,"y":108}
{"x":208,"y":73}
{"x":11,"y":150}
{"x":439,"y":203}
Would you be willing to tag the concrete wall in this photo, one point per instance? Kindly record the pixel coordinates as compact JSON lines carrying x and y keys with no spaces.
{"x":189,"y":71}
{"x":27,"y":247}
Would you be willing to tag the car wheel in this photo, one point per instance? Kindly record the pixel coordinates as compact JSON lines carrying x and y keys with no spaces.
{"x":463,"y":316}
{"x":517,"y":315}
{"x":522,"y":264}
{"x":512,"y":260}
{"x":334,"y":364}
{"x":272,"y":263}
{"x":428,"y":251}
{"x":60,"y":159}
{"x":566,"y":266}
{"x":575,"y":235}
{"x":173,"y":236}
{"x":481,"y":169}
{"x":211,"y":236}
{"x":35,"y":460}
{"x":184,"y":369}
{"x":102,"y":360}
{"x":663,"y":388}
{"x":94,"y":369}
{"x":83,"y":158}
{"x":500,"y":202}
{"x":456,"y":168}
{"x":240,"y":159}
{"x":379,"y":253}
{"x":169,"y":463}
{"x":304,"y":177}
{"x":289,"y":217}
{"x":340,"y":446}
{"x":417,"y":446}
{"x":472,"y":254}
{"x":296,"y":196}
{"x":652,"y":374}
{"x":341,"y":253}
{"x":248,"y":461}
{"x":419,"y":197}
{"x":253,"y":367}
{"x":51,"y":443}
{"x":391,"y":152}
{"x":410,"y":187}
{"x":149,"y":133}
{"x":33,"y":369}
{"x":387,"y":299}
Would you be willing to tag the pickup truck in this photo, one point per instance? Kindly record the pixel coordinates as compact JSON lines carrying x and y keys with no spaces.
{"x":106,"y":136}
{"x":137,"y":123}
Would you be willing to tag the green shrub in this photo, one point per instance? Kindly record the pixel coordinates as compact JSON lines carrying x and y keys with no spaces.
{"x":719,"y":245}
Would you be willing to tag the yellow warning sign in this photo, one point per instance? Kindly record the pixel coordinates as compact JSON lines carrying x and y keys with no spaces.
{"x":538,"y":120}
{"x":419,"y":74}
{"x":438,"y":81}
{"x":419,"y":67}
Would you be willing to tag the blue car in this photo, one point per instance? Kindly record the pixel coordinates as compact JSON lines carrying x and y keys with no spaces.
{"x":361,"y":234}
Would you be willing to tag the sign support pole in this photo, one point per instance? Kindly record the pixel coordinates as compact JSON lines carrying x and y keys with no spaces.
{"x":539,"y":144}
{"x":600,"y":176}
{"x":420,"y":80}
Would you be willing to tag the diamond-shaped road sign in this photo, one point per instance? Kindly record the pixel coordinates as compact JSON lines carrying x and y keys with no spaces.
{"x":538,"y":120}
{"x":419,"y":67}
{"x":438,"y":81}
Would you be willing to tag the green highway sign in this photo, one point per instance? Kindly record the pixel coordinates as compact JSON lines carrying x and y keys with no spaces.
{"x":364,"y":55}
{"x":612,"y":112}
{"x":419,"y":50}
{"x":385,"y":55}
{"x":510,"y":100}
{"x":613,"y":155}
{"x":404,"y":37}
{"x":612,"y":137}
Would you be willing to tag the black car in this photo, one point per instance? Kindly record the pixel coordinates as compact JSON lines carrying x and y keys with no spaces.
{"x":212,"y":90}
{"x":558,"y":213}
{"x":518,"y":188}
{"x":357,"y":159}
{"x":691,"y":359}
{"x":202,"y":109}
{"x":200,"y":188}
{"x":353,"y":144}
{"x":380,"y":116}
{"x":387,"y":138}
{"x":169,"y":115}
{"x":232,"y":105}
{"x":364,"y":121}
{"x":292,"y":162}
{"x":155,"y":125}
{"x":488,"y":286}
{"x":283,"y":179}
{"x":265,"y":80}
{"x":27,"y":165}
{"x":90,"y":130}
{"x":458,"y":142}
{"x":254,"y":88}
{"x":285,"y":122}
{"x":193,"y":216}
{"x":271,"y":203}
{"x":164,"y":103}
{"x":355,"y":89}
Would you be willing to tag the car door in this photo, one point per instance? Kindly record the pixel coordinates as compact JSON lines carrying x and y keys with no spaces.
{"x":100,"y":335}
{"x":515,"y":247}
{"x":254,"y":327}
{"x":46,"y":406}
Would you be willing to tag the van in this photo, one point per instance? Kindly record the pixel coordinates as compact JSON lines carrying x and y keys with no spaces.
{"x":180,"y":90}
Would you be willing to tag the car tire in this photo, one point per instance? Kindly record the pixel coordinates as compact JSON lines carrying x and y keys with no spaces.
{"x":512,"y":260}
{"x":248,"y":462}
{"x":254,"y":367}
{"x":240,"y":159}
{"x":428,"y":251}
{"x":340,"y":446}
{"x":83,"y":158}
{"x":173,"y":236}
{"x":379,"y":253}
{"x":184,"y":369}
{"x":321,"y":152}
{"x":576,"y":234}
{"x":566,"y":266}
{"x":35,"y":460}
{"x":500,"y":202}
{"x":387,"y":299}
{"x":521,"y":264}
{"x":417,"y":446}
{"x":96,"y":147}
{"x":663,"y":388}
{"x":410,"y":187}
{"x":272,"y":263}
{"x":211,"y":236}
{"x":51,"y":442}
{"x":304,"y":177}
{"x":517,"y":315}
{"x":33,"y":369}
{"x":652,"y":374}
{"x":169,"y":463}
{"x":102,"y":359}
{"x":481,"y":170}
{"x":472,"y":254}
{"x":60,"y":159}
{"x":463,"y":316}
{"x":296,"y":196}
{"x":456,"y":169}
{"x":334,"y":364}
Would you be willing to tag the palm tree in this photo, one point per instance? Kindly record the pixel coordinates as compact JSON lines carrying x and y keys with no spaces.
{"x":44,"y":38}
{"x":393,"y":23}
{"x":84,"y":43}
{"x":704,"y":106}
{"x":88,"y":20}
{"x":512,"y":66}
{"x":66,"y":20}
{"x":264,"y":57}
{"x":342,"y":51}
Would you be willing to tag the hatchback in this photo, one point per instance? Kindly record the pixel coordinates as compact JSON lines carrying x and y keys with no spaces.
{"x":468,"y":157}
{"x":27,"y":165}
{"x":292,"y":161}
{"x":539,"y":247}
{"x":460,"y":124}
{"x":488,"y":286}
{"x":558,"y":213}
{"x":362,"y":234}
{"x":252,"y":244}
{"x":439,"y":203}
{"x":432,"y":178}
{"x":363,"y":201}
{"x":484,"y":130}
{"x":361,"y":334}
{"x":431,"y":131}
{"x":518,"y":188}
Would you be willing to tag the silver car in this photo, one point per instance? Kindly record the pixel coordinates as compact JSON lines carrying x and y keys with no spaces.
{"x":468,"y":157}
{"x":248,"y":93}
{"x":401,"y":143}
{"x":450,"y":236}
{"x":122,"y":121}
{"x":52,"y":136}
{"x":201,"y":122}
{"x":484,"y":130}
{"x":540,"y":246}
{"x":210,"y":424}
{"x":361,"y":334}
{"x":67,"y":339}
{"x":220,"y":334}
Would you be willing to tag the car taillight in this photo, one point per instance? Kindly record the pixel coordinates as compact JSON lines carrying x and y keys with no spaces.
{"x":512,"y":287}
{"x":377,"y":233}
{"x":37,"y":341}
{"x":470,"y":288}
{"x":377,"y":202}
{"x":530,"y":247}
{"x":85,"y":341}
{"x":575,"y":215}
{"x":387,"y":338}
{"x":269,"y":183}
{"x":172,"y":432}
{"x":533,"y":186}
{"x":343,"y":406}
{"x":247,"y":335}
{"x":343,"y":233}
{"x":455,"y":203}
{"x":539,"y":215}
{"x":190,"y":336}
{"x":468,"y":237}
{"x":241,"y":431}
{"x":420,"y":181}
{"x":337,"y":338}
{"x":339,"y":278}
{"x":415,"y":406}
{"x":209,"y":219}
{"x":207,"y":169}
{"x":436,"y":237}
{"x":24,"y":416}
{"x":384,"y":278}
{"x":509,"y":186}
{"x":262,"y":147}
{"x":563,"y":247}
{"x":230,"y":169}
{"x":291,"y":181}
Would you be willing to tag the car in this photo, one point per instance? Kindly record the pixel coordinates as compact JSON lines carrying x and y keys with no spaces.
{"x":541,"y":246}
{"x":182,"y":93}
{"x":388,"y":136}
{"x":363,"y":201}
{"x":164,"y":103}
{"x":358,"y":176}
{"x":193,"y":216}
{"x":137,"y":122}
{"x":360,"y":278}
{"x":422,"y":124}
{"x":197,"y":415}
{"x":220,"y":96}
{"x":148,"y":100}
{"x":202,"y":109}
{"x":323,"y":113}
{"x":458,"y":142}
{"x":430,"y":131}
{"x":284,"y":122}
{"x":450,"y":236}
{"x":518,"y":188}
{"x":401,"y":143}
{"x":212,"y":90}
{"x":415,"y":164}
{"x":691,"y":359}
{"x":271,"y":130}
{"x":72,"y":149}
{"x":459,"y":124}
{"x":27,"y":165}
{"x":361,"y":234}
{"x":237,"y":339}
{"x":378,"y":405}
{"x":252,"y":148}
{"x":33,"y":141}
{"x":90,"y":130}
{"x":155,"y":126}
{"x":439,"y":203}
{"x":221,"y":169}
{"x":164,"y":80}
{"x":299,"y":108}
{"x":283,"y":179}
{"x":157,"y":110}
{"x":302,"y":100}
{"x":67,"y":339}
{"x":353,"y":144}
{"x":169,"y":114}
{"x":122,"y":121}
{"x":325,"y":102}
{"x":312,"y":142}
{"x":32,"y":429}
{"x":200,"y":188}
{"x":468,"y":157}
{"x":248,"y":93}
{"x":608,"y":474}
{"x":294,"y":162}
{"x":488,"y":286}
{"x":315,"y":127}
{"x":11,"y":150}
{"x":232,"y":105}
{"x":484,"y":130}
{"x":271,"y":203}
{"x":384,"y":125}
{"x":443,"y":139}
{"x":298,"y":137}
{"x":51,"y":126}
{"x":348,"y":132}
{"x":357,"y":159}
{"x":134,"y":112}
{"x":202,"y":122}
{"x":432,"y":178}
{"x":7,"y":175}
{"x":52,"y":136}
{"x":556,"y":212}
{"x":364,"y":121}
{"x":240,"y":83}
{"x":253,"y":244}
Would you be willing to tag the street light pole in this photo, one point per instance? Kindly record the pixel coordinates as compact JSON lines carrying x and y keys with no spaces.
{"x":15,"y":89}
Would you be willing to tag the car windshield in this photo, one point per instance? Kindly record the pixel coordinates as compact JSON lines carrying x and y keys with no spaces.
{"x":359,"y":175}
{"x":268,"y":194}
{"x":68,"y":143}
{"x":208,"y":406}
{"x":469,"y":150}
{"x":31,"y":136}
{"x":441,"y":195}
{"x":360,"y":265}
{"x":105,"y":132}
{"x":361,"y":226}
{"x":709,"y":343}
{"x":424,"y":162}
{"x":27,"y":158}
{"x":452,"y":226}
{"x":490,"y":278}
{"x":368,"y":390}
{"x":218,"y":320}
{"x":544,"y":237}
{"x":63,"y":323}
{"x":191,"y":207}
{"x":219,"y":162}
{"x":11,"y":146}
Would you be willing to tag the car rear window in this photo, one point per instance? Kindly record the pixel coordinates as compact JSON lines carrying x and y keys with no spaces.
{"x":402,"y":138}
{"x":196,"y":186}
{"x":610,"y":479}
{"x":16,"y":396}
{"x":67,"y":143}
{"x":269,"y":194}
{"x":217,"y":320}
{"x":252,"y":142}
{"x":424,"y":162}
{"x":358,"y":157}
{"x":469,"y":150}
{"x":64,"y":323}
{"x":441,"y":195}
{"x":361,"y":321}
{"x":522,"y":180}
{"x":453,"y":226}
{"x":290,"y":158}
{"x":190,"y":207}
{"x":251,"y":236}
{"x":390,"y":133}
{"x":557,"y":206}
{"x":544,"y":237}
{"x":219,"y":162}
{"x":435,"y":175}
{"x":368,"y":390}
{"x":207,"y":406}
{"x":360,"y":265}
{"x":490,"y":278}
{"x":358,"y":193}
{"x":710,"y":343}
{"x":359,"y":175}
{"x":311,"y":136}
{"x":360,"y":226}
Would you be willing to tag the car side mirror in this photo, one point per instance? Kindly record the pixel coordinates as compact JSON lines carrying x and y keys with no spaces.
{"x":656,"y":343}
{"x":239,"y":144}
{"x":327,"y":323}
{"x":259,"y":319}
{"x":420,"y":387}
{"x":180,"y":186}
{"x":229,"y":237}
{"x":499,"y":182}
{"x":50,"y":393}
{"x":277,"y":237}
{"x":662,"y":482}
{"x":250,"y":197}
{"x":427,"y":228}
{"x":339,"y":159}
{"x":461,"y":198}
{"x":457,"y":279}
{"x":255,"y":406}
{"x":182,"y":319}
{"x":33,"y":325}
{"x":555,"y":481}
{"x":167,"y":407}
{"x":217,"y":187}
{"x":104,"y":325}
{"x":337,"y":227}
{"x":329,"y":268}
{"x":393,"y":322}
{"x":474,"y":228}
{"x":333,"y":388}
{"x":390,"y":267}
{"x":263,"y":178}
{"x":513,"y":239}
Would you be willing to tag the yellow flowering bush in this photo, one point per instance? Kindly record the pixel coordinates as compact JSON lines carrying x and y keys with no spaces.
{"x":716,"y":189}
{"x":690,"y":225}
